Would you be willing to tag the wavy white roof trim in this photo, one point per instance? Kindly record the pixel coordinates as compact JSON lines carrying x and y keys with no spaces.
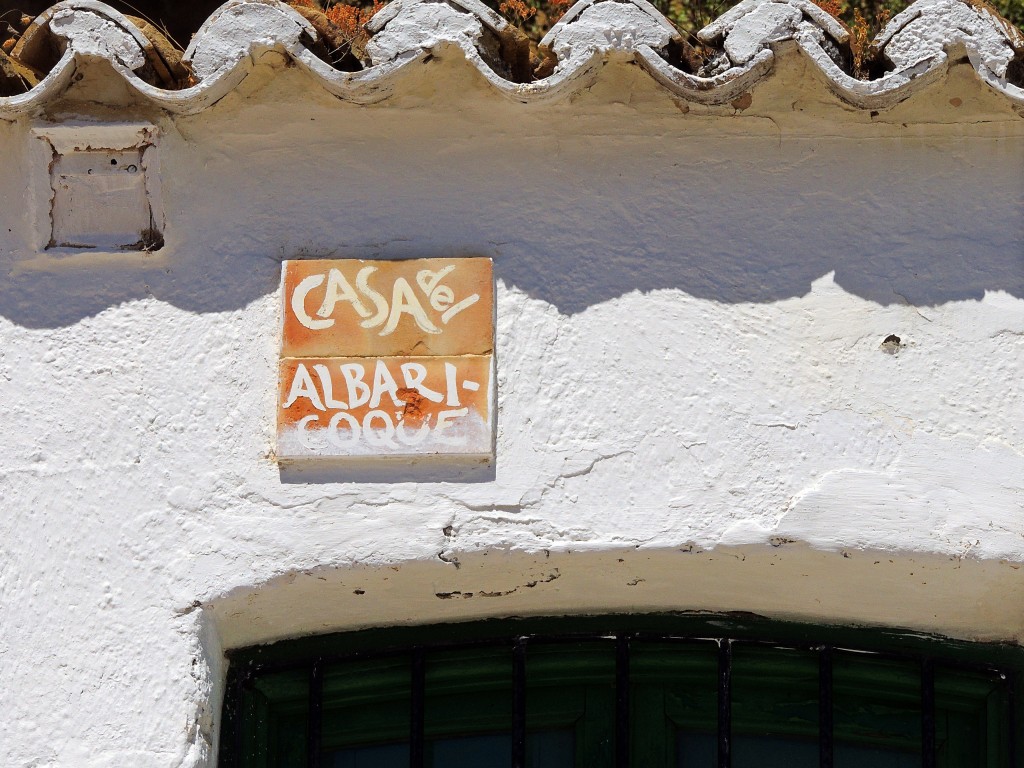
{"x":919,"y":42}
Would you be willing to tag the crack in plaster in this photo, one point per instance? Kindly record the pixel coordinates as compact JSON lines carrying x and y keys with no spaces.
{"x":459,"y":594}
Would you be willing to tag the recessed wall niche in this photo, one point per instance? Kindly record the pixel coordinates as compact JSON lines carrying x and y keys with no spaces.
{"x":98,"y":187}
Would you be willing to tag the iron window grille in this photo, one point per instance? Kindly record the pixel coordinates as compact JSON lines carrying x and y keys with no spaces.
{"x":622,"y":692}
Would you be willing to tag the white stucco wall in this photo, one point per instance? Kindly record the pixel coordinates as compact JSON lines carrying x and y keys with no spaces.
{"x":694,"y":407}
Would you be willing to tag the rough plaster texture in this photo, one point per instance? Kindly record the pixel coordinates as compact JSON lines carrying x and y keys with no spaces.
{"x":696,"y":409}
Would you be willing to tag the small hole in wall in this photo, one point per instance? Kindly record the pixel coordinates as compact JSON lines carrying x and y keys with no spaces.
{"x":113,"y":161}
{"x":891,"y":344}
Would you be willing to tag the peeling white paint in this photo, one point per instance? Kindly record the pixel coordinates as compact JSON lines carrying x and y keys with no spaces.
{"x":604,"y":28}
{"x":930,"y":27}
{"x":93,"y":35}
{"x":423,"y":27}
{"x":768,"y":23}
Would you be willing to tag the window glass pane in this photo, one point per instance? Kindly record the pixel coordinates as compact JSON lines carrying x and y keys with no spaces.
{"x":387,"y":756}
{"x":774,"y":708}
{"x":775,"y":752}
{"x":674,"y":702}
{"x":275,"y":709}
{"x":550,"y":749}
{"x":366,"y":705}
{"x":546,"y":749}
{"x":696,"y":750}
{"x":570,"y":686}
{"x":871,"y":757}
{"x":876,"y":711}
{"x":969,"y":710}
{"x":493,"y":751}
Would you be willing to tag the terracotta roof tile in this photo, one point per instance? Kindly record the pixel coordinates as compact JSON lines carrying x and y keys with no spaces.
{"x":916,"y":46}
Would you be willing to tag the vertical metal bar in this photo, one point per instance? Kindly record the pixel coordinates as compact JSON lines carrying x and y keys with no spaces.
{"x":417,"y":741}
{"x":724,"y":703}
{"x":622,"y":702}
{"x":238,"y":723}
{"x":519,"y":703}
{"x":316,"y":714}
{"x":1011,"y":715}
{"x":826,"y":734}
{"x":927,"y":714}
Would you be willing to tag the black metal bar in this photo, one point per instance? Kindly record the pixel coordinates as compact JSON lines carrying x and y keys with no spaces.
{"x":519,"y":703}
{"x":316,"y":714}
{"x":237,"y":743}
{"x":569,"y":637}
{"x":725,"y":703}
{"x":418,"y":682}
{"x":1011,"y":716}
{"x":927,"y":714}
{"x":622,"y":701}
{"x":826,"y":735}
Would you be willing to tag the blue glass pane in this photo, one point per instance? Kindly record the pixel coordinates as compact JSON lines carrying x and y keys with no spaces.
{"x":386,"y":756}
{"x":551,"y":749}
{"x":774,"y":752}
{"x":696,"y":750}
{"x":544,"y":749}
{"x":849,"y":756}
{"x":492,"y":751}
{"x":700,"y":750}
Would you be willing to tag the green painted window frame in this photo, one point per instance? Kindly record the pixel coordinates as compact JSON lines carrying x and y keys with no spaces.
{"x":630,"y":688}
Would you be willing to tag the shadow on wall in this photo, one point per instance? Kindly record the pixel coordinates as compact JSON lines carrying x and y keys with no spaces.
{"x":899,"y":223}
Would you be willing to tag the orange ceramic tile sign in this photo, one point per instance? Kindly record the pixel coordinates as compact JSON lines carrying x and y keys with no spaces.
{"x":386,"y":358}
{"x":380,"y":308}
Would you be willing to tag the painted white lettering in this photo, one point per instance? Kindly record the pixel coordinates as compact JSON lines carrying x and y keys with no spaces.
{"x":383,"y":382}
{"x":299,"y":304}
{"x":414,"y":374}
{"x":404,"y":301}
{"x":334,"y":431}
{"x":466,"y":303}
{"x":303,"y":386}
{"x":304,"y":433}
{"x":386,"y":435}
{"x":358,"y":389}
{"x":427,"y":279}
{"x":444,"y":423}
{"x":418,"y":436}
{"x":442,"y":298}
{"x":379,"y":303}
{"x":337,"y":290}
{"x":452,"y":384}
{"x":328,"y":387}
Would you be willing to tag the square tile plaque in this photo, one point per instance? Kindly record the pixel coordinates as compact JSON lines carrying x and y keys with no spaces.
{"x":386,"y":358}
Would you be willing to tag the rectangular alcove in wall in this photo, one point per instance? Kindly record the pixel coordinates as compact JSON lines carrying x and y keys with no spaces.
{"x":97,"y":187}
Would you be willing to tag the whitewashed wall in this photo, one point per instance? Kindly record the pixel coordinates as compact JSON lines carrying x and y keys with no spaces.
{"x":695,"y":409}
